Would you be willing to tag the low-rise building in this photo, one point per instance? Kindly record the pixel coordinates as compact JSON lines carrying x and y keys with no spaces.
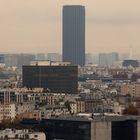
{"x":9,"y":134}
{"x":24,"y":107}
{"x":73,"y":107}
{"x":131,"y":89}
{"x":118,"y":108}
{"x":53,"y":110}
{"x":55,"y":99}
{"x":7,"y":111}
{"x":80,"y":106}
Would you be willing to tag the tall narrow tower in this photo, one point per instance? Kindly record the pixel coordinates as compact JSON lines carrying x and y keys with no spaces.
{"x":74,"y":34}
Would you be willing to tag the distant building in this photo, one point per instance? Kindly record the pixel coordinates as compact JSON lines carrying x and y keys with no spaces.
{"x":1,"y":58}
{"x":18,"y":60}
{"x":103,"y":59}
{"x":74,"y":34}
{"x":61,"y":79}
{"x":108,"y":59}
{"x":40,"y":56}
{"x":54,"y":57}
{"x":112,"y":58}
{"x":130,"y":63}
{"x":88,"y":59}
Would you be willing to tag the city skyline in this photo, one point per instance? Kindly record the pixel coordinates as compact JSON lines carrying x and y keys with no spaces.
{"x":32,"y":26}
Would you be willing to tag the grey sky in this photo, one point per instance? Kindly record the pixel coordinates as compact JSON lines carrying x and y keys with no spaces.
{"x":35,"y":26}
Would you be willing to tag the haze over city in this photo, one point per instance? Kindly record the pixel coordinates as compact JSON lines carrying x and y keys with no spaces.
{"x":69,"y":70}
{"x":36,"y":26}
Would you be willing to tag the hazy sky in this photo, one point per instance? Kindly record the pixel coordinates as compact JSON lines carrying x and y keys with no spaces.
{"x":35,"y":25}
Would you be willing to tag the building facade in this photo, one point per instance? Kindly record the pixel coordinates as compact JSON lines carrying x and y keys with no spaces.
{"x":111,"y":128}
{"x":40,"y":56}
{"x":9,"y":134}
{"x":7,"y":111}
{"x":74,"y":34}
{"x":18,"y":60}
{"x":131,"y":89}
{"x":130,"y":63}
{"x":60,"y":79}
{"x":54,"y":57}
{"x":108,"y":59}
{"x":1,"y":58}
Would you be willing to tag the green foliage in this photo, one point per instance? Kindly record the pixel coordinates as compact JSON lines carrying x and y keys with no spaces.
{"x":130,"y":110}
{"x":8,"y":123}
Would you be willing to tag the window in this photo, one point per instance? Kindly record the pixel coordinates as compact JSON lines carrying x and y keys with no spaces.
{"x":35,"y":136}
{"x":27,"y":136}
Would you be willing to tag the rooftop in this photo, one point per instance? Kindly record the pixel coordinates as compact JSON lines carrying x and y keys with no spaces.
{"x":96,"y":119}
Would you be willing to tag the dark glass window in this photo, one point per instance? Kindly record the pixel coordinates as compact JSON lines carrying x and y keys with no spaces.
{"x":67,"y":130}
{"x":124,"y":130}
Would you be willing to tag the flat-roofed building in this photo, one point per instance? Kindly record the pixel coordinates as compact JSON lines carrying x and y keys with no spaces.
{"x":9,"y":134}
{"x":101,"y":128}
{"x":60,"y":79}
{"x":7,"y":111}
{"x":131,"y":89}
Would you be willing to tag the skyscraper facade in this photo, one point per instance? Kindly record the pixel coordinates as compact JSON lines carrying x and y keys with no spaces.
{"x":74,"y":34}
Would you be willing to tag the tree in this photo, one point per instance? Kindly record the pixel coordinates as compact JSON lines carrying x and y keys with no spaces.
{"x":130,"y":110}
{"x":67,"y":104}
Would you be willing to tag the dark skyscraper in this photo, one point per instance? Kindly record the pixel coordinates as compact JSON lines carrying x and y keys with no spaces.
{"x":74,"y":34}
